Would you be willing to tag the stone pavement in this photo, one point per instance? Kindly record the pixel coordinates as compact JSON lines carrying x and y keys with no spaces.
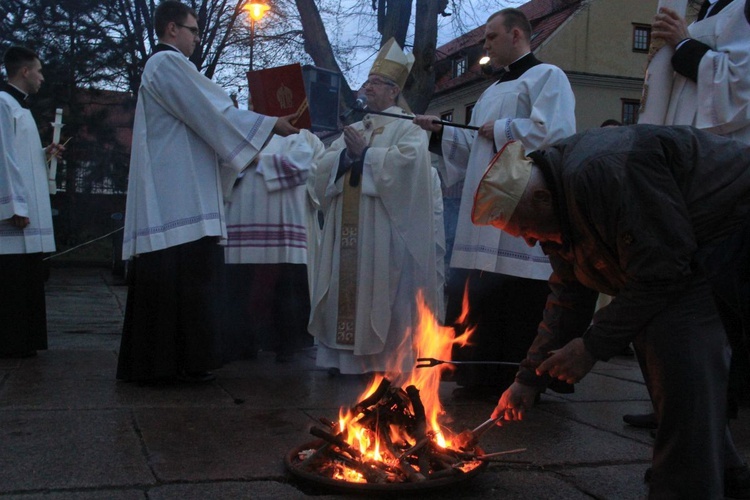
{"x":68,"y":430}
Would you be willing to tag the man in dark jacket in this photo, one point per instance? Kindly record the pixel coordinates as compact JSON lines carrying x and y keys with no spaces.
{"x":657,"y":217}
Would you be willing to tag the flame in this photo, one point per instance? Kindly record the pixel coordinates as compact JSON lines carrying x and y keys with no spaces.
{"x":430,"y":340}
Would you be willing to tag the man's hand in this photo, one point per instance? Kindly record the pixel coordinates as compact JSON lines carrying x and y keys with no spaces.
{"x":355,"y":143}
{"x":54,"y":150}
{"x":514,"y":402}
{"x":569,"y":364}
{"x":669,"y":26}
{"x":487,"y":131}
{"x":426,"y":122}
{"x":19,"y":221}
{"x":284,"y":126}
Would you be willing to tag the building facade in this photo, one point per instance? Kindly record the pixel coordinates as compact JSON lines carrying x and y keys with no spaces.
{"x":602,"y":45}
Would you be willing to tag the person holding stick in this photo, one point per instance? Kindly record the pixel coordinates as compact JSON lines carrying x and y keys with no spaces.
{"x":506,"y":281}
{"x":658,"y":217}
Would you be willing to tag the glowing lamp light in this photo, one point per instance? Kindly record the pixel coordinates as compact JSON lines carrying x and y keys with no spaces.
{"x":484,"y":60}
{"x":256,"y":10}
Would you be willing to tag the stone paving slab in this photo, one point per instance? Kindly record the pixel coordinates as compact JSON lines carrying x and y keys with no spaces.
{"x":552,"y":439}
{"x":267,"y":490}
{"x":70,"y":449}
{"x":68,"y":430}
{"x":98,"y":494}
{"x":200,"y":444}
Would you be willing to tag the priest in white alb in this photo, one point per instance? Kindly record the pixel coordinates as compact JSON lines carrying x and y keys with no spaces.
{"x":174,"y":218}
{"x":374,"y":185}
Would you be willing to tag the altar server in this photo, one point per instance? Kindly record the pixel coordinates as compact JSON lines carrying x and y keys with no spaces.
{"x":25,"y":214}
{"x":184,"y":125}
{"x":266,"y":253}
{"x":532,"y":102}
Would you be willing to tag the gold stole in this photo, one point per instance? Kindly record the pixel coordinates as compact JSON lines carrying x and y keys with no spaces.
{"x":348,"y":255}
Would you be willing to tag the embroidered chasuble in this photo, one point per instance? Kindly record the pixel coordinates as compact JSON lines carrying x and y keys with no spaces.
{"x":348,"y":249}
{"x":377,"y":247}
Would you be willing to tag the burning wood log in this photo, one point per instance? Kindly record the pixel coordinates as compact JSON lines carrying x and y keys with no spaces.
{"x":408,"y":455}
{"x":393,"y":434}
{"x":374,"y":398}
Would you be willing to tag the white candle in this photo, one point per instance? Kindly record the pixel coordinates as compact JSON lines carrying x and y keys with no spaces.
{"x":52,"y":175}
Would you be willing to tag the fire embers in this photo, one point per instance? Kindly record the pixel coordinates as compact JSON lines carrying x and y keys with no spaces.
{"x":385,"y":439}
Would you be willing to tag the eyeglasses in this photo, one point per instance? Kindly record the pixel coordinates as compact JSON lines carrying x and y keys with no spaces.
{"x":377,"y":82}
{"x":194,"y":30}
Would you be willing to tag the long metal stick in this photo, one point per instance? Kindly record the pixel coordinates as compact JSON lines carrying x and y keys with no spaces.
{"x":499,"y":453}
{"x":428,"y":362}
{"x":411,"y":117}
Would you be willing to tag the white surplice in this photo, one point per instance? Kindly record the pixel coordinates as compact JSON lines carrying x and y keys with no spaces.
{"x":184,"y":124}
{"x":23,"y":182}
{"x":719,"y":102}
{"x":268,"y":210}
{"x":396,"y":249}
{"x":537,"y":109}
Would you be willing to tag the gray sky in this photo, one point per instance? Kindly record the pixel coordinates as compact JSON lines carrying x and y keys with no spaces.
{"x":359,"y":27}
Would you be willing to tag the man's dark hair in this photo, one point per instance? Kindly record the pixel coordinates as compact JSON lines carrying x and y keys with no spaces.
{"x":514,"y":18}
{"x":16,"y":58}
{"x":611,"y":122}
{"x":170,"y":11}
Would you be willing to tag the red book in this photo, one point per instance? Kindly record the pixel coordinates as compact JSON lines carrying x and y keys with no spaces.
{"x":280,"y":91}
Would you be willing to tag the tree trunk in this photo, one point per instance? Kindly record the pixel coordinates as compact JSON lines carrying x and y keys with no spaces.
{"x":421,"y":85}
{"x":393,"y":20}
{"x":318,"y":46}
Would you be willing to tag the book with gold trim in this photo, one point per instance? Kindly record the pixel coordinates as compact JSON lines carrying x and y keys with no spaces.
{"x":280,"y":91}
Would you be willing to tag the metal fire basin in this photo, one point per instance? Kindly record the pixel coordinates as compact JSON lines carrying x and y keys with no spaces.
{"x":292,"y":463}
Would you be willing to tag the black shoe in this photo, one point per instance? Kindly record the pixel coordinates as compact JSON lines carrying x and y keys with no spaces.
{"x":196,"y":377}
{"x":642,"y":420}
{"x":737,"y":482}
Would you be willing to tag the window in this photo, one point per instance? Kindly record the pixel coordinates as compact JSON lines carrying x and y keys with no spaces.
{"x":630,"y":111}
{"x":460,"y":66}
{"x":641,"y":37}
{"x":447,"y":116}
{"x":469,"y":112}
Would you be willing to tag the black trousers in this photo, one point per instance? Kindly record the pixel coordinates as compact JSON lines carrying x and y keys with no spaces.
{"x":684,"y":356}
{"x":171,"y":317}
{"x":267,"y":307}
{"x":23,"y":310}
{"x":506,"y":311}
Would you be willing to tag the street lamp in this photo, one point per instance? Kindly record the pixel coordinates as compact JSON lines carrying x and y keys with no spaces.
{"x":256,"y":11}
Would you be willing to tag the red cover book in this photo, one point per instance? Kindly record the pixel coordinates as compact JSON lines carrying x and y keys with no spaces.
{"x":280,"y":91}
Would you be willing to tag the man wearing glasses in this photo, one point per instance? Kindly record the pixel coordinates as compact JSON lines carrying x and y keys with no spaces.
{"x":374,"y":184}
{"x":184,"y":125}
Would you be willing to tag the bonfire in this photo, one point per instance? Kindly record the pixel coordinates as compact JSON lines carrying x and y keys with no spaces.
{"x":393,"y":434}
